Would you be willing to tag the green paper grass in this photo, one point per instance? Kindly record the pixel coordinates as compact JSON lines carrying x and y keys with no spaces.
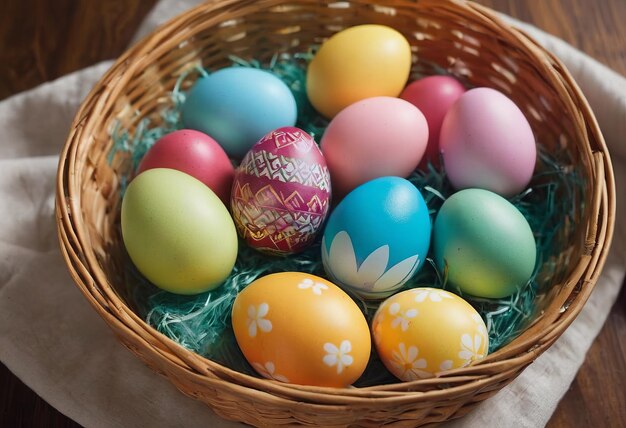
{"x":202,"y":323}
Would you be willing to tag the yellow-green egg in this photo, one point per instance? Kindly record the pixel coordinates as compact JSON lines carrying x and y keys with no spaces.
{"x":359,"y":62}
{"x":177,"y":232}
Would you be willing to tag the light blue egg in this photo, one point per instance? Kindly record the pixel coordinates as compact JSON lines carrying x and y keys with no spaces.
{"x":237,"y":106}
{"x":378,"y":237}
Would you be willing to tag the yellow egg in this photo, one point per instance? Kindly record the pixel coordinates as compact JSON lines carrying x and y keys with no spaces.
{"x":299,"y":328}
{"x":357,"y":63}
{"x":423,"y":331}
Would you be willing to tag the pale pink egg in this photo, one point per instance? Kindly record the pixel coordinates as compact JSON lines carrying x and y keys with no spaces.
{"x":196,"y":154}
{"x":374,"y":137}
{"x":487,"y":143}
{"x":433,"y":95}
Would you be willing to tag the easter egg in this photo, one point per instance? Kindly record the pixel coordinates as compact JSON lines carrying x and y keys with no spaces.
{"x":485,"y":244}
{"x":299,"y":328}
{"x":281,"y":192}
{"x":196,"y":154}
{"x":237,"y":106}
{"x":377,"y":238}
{"x":357,"y":63}
{"x":486,"y":142}
{"x":433,"y":96}
{"x":177,"y":232}
{"x":424,"y":331}
{"x":372,"y":138}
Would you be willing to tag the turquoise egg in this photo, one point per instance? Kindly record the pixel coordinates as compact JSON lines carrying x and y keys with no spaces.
{"x":237,"y":106}
{"x":485,"y":243}
{"x":377,"y":238}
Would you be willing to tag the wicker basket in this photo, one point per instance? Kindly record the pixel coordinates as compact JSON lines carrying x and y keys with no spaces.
{"x":464,"y":38}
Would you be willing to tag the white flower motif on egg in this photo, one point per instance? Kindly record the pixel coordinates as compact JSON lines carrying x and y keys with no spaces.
{"x":372,"y":275}
{"x":401,"y":318}
{"x":446,"y":365}
{"x":268,"y":371}
{"x":430,"y":294}
{"x":256,"y":319}
{"x":316,"y":287}
{"x":338,"y":356}
{"x":470,"y":348}
{"x":481,"y":324}
{"x":407,"y":365}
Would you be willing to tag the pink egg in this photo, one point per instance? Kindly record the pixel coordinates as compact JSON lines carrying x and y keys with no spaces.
{"x":433,"y":95}
{"x":196,"y":154}
{"x":487,"y":143}
{"x":374,"y":137}
{"x":281,"y":192}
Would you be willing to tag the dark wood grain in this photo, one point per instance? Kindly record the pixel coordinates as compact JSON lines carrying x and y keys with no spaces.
{"x":595,"y":27}
{"x":21,"y":407}
{"x":43,"y":39}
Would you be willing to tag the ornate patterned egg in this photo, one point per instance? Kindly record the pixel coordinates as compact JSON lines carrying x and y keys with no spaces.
{"x":299,"y":328}
{"x":377,"y":238}
{"x":421,"y":332}
{"x":281,"y":192}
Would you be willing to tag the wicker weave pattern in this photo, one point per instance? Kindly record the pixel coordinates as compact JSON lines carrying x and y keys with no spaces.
{"x":464,"y":38}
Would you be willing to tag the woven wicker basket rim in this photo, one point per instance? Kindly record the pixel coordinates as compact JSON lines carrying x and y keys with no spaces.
{"x":500,"y":366}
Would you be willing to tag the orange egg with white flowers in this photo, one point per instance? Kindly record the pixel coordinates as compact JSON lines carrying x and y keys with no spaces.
{"x":299,"y":328}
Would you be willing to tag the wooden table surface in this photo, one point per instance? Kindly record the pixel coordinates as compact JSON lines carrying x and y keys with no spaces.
{"x":43,"y":39}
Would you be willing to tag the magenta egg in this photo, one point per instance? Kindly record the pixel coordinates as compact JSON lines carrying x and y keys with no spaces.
{"x":374,"y":137}
{"x":433,"y":95}
{"x":196,"y":154}
{"x":281,"y":192}
{"x":486,"y":142}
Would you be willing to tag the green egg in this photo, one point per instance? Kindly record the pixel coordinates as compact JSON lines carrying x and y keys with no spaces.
{"x":177,"y":232}
{"x":485,"y":242}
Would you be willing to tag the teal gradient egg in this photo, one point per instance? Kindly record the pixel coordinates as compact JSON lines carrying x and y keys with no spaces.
{"x":485,"y":243}
{"x":377,"y":238}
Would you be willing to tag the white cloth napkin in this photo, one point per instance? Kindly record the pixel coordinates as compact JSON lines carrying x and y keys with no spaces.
{"x":52,"y":339}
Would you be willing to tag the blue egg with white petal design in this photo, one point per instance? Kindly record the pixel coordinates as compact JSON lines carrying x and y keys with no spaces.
{"x":377,"y":238}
